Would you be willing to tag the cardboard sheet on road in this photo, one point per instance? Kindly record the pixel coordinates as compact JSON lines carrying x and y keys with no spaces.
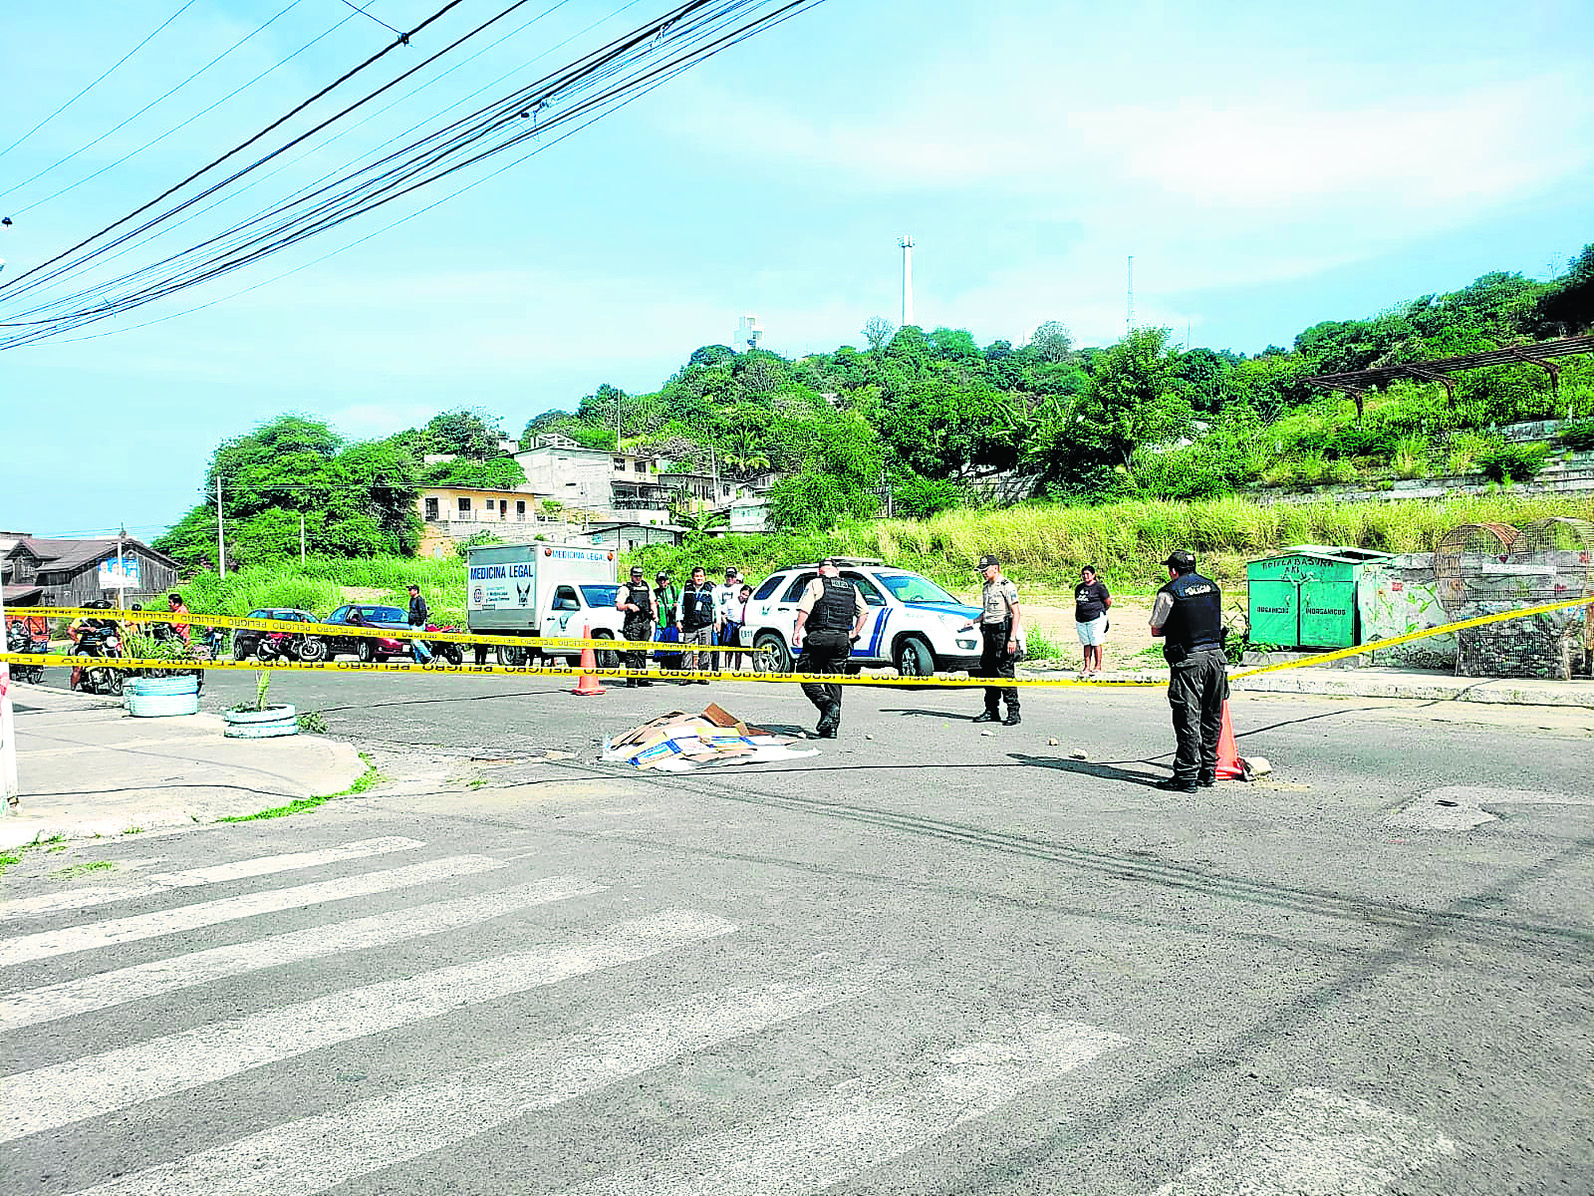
{"x":680,"y":742}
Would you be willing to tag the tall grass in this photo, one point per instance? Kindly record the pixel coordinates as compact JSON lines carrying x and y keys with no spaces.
{"x":320,"y":584}
{"x":1045,"y":546}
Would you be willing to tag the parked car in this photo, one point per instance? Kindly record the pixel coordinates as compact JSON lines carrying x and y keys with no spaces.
{"x":247,"y":643}
{"x":913,"y":624}
{"x":368,"y":647}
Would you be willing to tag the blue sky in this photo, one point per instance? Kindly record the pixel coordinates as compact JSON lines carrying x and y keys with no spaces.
{"x":1267,"y":165}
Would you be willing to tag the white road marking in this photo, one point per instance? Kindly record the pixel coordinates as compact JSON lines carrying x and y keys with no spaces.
{"x":51,"y":903}
{"x":309,"y":1156}
{"x":1317,"y":1143}
{"x":105,"y":989}
{"x":856,"y":1127}
{"x":227,"y":909}
{"x":50,"y":1097}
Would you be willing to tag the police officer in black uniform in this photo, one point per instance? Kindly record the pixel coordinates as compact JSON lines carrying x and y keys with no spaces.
{"x":1188,"y":615}
{"x":830,"y":616}
{"x":636,"y":600}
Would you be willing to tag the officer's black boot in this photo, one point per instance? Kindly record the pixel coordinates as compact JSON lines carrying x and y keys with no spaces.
{"x":1206,"y":780}
{"x":829,"y":721}
{"x":1012,"y":719}
{"x":990,"y":716}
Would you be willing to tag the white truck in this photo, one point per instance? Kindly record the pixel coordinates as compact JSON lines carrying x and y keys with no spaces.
{"x":542,"y":589}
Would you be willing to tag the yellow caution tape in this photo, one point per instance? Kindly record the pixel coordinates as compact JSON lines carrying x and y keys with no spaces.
{"x":1408,"y":637}
{"x":291,"y":627}
{"x":127,"y":664}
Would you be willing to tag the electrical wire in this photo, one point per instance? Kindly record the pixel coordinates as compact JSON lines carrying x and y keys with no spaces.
{"x":339,"y":81}
{"x":274,"y":67}
{"x":97,"y":82}
{"x":129,"y":120}
{"x":627,"y":66}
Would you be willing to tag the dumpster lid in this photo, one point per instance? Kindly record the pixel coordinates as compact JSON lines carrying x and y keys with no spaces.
{"x":1334,"y":552}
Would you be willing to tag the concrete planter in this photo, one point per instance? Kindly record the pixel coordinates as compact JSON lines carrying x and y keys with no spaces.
{"x":161,"y":697}
{"x":270,"y":723}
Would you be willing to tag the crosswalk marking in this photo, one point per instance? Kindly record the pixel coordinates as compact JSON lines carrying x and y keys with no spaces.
{"x":860,"y":1126}
{"x":52,"y":903}
{"x":118,"y":987}
{"x":50,"y":1097}
{"x":46,"y":943}
{"x":1317,"y":1143}
{"x":310,"y":1155}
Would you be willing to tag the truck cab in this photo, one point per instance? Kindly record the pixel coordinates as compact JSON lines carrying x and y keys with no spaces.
{"x":542,"y":589}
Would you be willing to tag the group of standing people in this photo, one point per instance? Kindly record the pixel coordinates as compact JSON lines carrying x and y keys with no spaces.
{"x":697,"y":617}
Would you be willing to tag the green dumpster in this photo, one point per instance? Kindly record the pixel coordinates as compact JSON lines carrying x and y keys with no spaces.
{"x":1306,"y":596}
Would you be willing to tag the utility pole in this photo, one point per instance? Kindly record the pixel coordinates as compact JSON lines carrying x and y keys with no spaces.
{"x":8,"y":730}
{"x":906,"y":243}
{"x":301,"y":537}
{"x":120,"y":567}
{"x":221,"y":534}
{"x":1129,"y":313}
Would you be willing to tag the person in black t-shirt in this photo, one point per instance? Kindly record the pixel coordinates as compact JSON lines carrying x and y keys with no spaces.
{"x":1091,"y":601}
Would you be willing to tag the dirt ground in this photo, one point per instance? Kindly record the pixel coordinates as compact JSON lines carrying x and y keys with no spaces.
{"x":1128,"y":637}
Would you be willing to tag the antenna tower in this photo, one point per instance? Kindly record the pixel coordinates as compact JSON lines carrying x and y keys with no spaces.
{"x":1129,"y":313}
{"x":906,"y":242}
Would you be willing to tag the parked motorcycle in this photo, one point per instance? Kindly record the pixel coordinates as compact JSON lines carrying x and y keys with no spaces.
{"x":100,"y":643}
{"x":20,"y":639}
{"x":288,"y":646}
{"x":447,"y":650}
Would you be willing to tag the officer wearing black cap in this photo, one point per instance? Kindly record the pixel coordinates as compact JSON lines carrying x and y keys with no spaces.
{"x":830,"y":616}
{"x":1000,"y":632}
{"x":1188,"y":616}
{"x":636,"y":600}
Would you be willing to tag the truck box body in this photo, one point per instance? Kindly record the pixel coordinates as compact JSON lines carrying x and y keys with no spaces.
{"x":509,"y":587}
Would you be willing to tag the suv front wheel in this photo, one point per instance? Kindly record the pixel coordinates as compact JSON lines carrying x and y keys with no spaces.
{"x":914,"y":658}
{"x":773,"y":656}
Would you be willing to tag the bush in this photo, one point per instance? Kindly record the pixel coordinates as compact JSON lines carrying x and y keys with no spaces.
{"x":1516,"y":462}
{"x":919,"y":498}
{"x":1578,"y":435}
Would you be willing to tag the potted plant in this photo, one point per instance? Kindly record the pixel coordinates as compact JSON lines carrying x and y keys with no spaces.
{"x":257,"y":720}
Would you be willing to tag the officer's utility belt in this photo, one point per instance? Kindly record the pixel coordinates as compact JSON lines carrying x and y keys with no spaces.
{"x":1178,"y":653}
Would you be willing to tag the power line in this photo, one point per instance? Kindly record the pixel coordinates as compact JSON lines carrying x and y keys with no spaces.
{"x":636,"y":63}
{"x":129,"y":120}
{"x":276,"y":66}
{"x":98,"y":81}
{"x":341,"y":79}
{"x":377,"y":19}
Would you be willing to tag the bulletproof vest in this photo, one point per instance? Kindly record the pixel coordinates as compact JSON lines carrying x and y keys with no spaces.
{"x":1196,"y":620}
{"x":643,"y":597}
{"x":697,"y":608}
{"x":836,"y":607}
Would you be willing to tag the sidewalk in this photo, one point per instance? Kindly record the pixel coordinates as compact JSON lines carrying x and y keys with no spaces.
{"x":87,"y":768}
{"x":1421,"y":685}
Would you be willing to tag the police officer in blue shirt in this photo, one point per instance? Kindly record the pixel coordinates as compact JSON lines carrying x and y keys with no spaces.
{"x":1188,"y":616}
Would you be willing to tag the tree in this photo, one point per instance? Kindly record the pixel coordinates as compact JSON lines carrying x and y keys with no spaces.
{"x":465,"y":433}
{"x":709,"y":356}
{"x":877,"y":331}
{"x":1052,"y":342}
{"x":1132,"y":399}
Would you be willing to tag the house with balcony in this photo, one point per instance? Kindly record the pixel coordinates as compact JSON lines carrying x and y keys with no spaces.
{"x":453,"y":513}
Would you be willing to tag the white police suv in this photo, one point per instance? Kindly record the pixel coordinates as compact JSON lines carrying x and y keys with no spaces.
{"x":913,"y":623}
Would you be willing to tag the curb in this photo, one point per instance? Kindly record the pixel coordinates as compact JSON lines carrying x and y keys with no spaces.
{"x":1485,"y":690}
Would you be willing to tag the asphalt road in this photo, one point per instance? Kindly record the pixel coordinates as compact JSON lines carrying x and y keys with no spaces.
{"x":926,"y":960}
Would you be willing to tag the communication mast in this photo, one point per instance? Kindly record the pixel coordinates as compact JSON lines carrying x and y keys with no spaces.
{"x":1129,"y":312}
{"x":906,"y":242}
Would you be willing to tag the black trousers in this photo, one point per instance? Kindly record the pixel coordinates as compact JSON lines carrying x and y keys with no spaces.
{"x":1197,"y":688}
{"x":640,"y":630}
{"x":997,"y":661}
{"x":824,"y":652}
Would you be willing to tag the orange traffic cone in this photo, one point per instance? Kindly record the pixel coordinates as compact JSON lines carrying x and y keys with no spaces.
{"x":1230,"y":766}
{"x":587,"y":685}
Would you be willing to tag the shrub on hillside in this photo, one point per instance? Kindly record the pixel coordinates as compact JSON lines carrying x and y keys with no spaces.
{"x":919,"y":498}
{"x":1516,"y":462}
{"x":1578,"y":435}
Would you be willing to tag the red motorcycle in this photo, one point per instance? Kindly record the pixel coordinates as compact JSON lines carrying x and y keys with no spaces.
{"x":451,"y":652}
